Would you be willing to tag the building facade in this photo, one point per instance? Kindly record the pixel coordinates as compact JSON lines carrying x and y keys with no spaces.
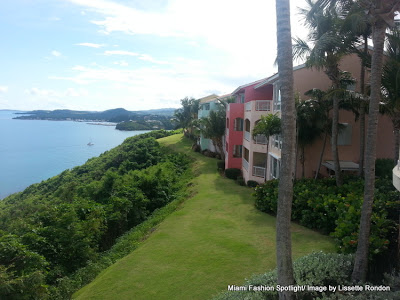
{"x":262,"y":97}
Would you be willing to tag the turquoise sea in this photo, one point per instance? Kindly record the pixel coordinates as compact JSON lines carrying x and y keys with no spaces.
{"x":34,"y":150}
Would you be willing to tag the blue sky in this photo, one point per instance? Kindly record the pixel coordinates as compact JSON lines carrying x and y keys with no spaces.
{"x":137,"y":54}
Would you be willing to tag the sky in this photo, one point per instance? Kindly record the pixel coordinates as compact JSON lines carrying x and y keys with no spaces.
{"x":135,"y":54}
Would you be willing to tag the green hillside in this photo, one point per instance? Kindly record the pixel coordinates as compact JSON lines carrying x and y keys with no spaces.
{"x":216,"y":238}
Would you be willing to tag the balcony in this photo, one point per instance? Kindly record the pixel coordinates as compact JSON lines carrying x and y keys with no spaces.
{"x":258,"y":105}
{"x":261,"y":139}
{"x":245,"y":164}
{"x":259,"y":171}
{"x":247,"y":136}
{"x":227,"y":132}
{"x":263,"y":105}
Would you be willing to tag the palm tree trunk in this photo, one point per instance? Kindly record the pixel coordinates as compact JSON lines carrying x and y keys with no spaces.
{"x":362,"y":138}
{"x":362,"y":111}
{"x":285,"y":194}
{"x":361,"y":259}
{"x":335,"y":150}
{"x":303,"y":159}
{"x":321,"y":155}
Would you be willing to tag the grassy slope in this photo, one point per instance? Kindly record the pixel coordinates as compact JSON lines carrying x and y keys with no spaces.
{"x":216,"y":238}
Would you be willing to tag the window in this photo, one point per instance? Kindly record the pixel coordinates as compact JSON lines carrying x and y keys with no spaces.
{"x":246,"y":154}
{"x":277,"y":99}
{"x":237,"y":150}
{"x":240,"y":98}
{"x":277,"y":141}
{"x":207,"y":106}
{"x":238,"y":124}
{"x":275,"y":165}
{"x":345,"y":133}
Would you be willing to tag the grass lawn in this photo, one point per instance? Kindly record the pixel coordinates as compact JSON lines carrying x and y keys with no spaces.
{"x":215,"y":239}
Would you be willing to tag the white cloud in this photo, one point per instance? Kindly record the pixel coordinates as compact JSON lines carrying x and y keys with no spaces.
{"x":40,"y":92}
{"x":121,"y":63}
{"x":91,"y":45}
{"x":56,"y":53}
{"x":72,"y":92}
{"x":120,"y":52}
{"x":3,"y":89}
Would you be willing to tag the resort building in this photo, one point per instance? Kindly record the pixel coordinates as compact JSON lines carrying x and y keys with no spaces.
{"x":207,"y":104}
{"x":263,"y":97}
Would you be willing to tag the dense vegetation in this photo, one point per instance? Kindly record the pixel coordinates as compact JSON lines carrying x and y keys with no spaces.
{"x":144,"y":125}
{"x":53,"y":228}
{"x":159,"y":117}
{"x":336,"y":210}
{"x":318,"y":270}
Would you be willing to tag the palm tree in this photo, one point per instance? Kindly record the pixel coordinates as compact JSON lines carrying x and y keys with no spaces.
{"x":285,"y":189}
{"x":186,"y":115}
{"x":311,"y":122}
{"x":329,"y":46}
{"x":268,"y":125}
{"x":213,"y":128}
{"x":391,"y":86}
{"x":354,"y":23}
{"x":381,"y":15}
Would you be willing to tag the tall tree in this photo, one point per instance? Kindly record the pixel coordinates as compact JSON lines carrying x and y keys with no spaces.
{"x":310,"y":126}
{"x":381,"y":15}
{"x":391,"y":86}
{"x":187,"y":114}
{"x":354,"y":23}
{"x":329,"y":45}
{"x":213,"y":127}
{"x":285,"y":194}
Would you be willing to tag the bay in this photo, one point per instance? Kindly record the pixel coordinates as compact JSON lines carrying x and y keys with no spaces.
{"x":35,"y":150}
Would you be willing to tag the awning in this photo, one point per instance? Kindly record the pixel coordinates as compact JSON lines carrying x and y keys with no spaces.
{"x":344,"y":165}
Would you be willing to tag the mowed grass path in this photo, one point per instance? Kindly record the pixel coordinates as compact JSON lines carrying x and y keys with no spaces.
{"x":216,"y":238}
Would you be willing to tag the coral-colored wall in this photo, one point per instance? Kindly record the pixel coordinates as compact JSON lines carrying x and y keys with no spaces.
{"x":236,"y":110}
{"x":263,"y":93}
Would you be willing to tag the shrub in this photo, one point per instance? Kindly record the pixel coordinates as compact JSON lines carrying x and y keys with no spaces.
{"x":252,"y":183}
{"x":315,"y":269}
{"x":221,"y":165}
{"x":240,"y":181}
{"x":336,"y":210}
{"x":384,"y":167}
{"x":233,"y":173}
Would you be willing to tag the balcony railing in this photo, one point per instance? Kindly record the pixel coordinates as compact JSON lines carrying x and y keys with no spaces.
{"x":263,"y":105}
{"x":259,"y":171}
{"x":261,"y":139}
{"x":245,"y":164}
{"x":248,"y":106}
{"x":247,"y":136}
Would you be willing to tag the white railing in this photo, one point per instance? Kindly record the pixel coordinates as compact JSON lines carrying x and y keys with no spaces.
{"x":259,"y":171}
{"x":263,"y":105}
{"x":247,"y":136}
{"x":245,"y":164}
{"x":248,"y":106}
{"x":261,"y":139}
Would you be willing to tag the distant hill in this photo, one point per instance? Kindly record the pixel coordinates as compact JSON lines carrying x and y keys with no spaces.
{"x":112,"y":115}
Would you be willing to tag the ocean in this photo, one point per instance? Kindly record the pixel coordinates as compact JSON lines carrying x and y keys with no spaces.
{"x":35,"y":150}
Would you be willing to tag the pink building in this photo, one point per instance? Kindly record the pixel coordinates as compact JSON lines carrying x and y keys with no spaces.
{"x":263,"y":97}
